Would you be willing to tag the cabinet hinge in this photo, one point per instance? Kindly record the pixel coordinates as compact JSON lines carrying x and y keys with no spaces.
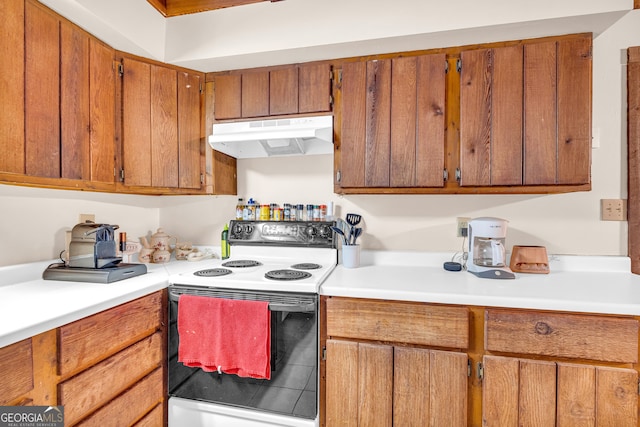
{"x":339,"y":76}
{"x":324,"y":353}
{"x":331,"y":100}
{"x":122,"y":175}
{"x":201,"y":89}
{"x":445,"y":174}
{"x":458,"y":174}
{"x":121,"y":69}
{"x":446,"y":67}
{"x":338,"y":176}
{"x":480,"y":371}
{"x":469,"y":368}
{"x":201,"y":178}
{"x":459,"y":65}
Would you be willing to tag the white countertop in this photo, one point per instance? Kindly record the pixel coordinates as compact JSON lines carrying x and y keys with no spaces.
{"x":30,"y":305}
{"x":591,"y":284}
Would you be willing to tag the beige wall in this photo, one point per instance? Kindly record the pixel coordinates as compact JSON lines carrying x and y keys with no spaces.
{"x":33,"y":221}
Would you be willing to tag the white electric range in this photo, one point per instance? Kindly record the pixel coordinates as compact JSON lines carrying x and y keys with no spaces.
{"x":283,"y":263}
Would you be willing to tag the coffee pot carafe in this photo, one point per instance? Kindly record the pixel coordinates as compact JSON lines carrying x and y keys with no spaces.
{"x":487,"y":254}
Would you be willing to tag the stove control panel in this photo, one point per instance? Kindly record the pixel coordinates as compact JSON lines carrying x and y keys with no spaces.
{"x":282,"y":233}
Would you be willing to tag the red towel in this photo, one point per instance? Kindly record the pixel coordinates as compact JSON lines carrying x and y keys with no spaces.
{"x":232,"y":336}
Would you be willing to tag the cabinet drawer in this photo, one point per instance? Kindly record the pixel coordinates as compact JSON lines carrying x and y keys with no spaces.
{"x":89,"y":340}
{"x":611,"y":339}
{"x":91,"y":389}
{"x":16,"y":370}
{"x":131,"y":405}
{"x":400,"y":322}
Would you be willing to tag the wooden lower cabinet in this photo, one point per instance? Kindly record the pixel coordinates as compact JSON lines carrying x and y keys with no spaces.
{"x":397,"y":363}
{"x":107,"y":369}
{"x":523,"y":392}
{"x":384,"y":385}
{"x":380,"y":371}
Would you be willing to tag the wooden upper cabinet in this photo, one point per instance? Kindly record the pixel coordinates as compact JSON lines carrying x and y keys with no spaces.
{"x":283,"y":91}
{"x":255,"y":94}
{"x":294,"y":89}
{"x":12,"y":107}
{"x":102,"y":93}
{"x":164,"y":127}
{"x":189,"y":129}
{"x":74,"y":102}
{"x":42,"y":91}
{"x":136,"y":122}
{"x":525,"y":114}
{"x":393,"y":122}
{"x":161,"y":128}
{"x":314,"y":88}
{"x":228,"y":96}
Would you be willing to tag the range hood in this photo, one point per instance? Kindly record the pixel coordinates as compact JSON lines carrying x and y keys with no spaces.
{"x":296,"y":136}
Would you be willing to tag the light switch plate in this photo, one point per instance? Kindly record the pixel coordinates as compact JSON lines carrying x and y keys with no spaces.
{"x":614,"y":209}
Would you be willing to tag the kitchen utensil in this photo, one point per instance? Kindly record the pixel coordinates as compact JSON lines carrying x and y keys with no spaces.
{"x":339,"y":231}
{"x":352,"y":220}
{"x":356,"y":233}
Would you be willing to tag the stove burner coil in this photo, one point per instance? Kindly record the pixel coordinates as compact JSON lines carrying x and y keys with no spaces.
{"x":241,"y":263}
{"x":286,"y":274}
{"x":306,"y":266}
{"x":212,"y":272}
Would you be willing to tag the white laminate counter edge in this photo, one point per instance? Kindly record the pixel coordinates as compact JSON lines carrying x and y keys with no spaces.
{"x":590,"y":284}
{"x":30,"y":305}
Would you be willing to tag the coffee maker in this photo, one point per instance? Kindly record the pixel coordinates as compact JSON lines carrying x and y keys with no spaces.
{"x":487,"y":254}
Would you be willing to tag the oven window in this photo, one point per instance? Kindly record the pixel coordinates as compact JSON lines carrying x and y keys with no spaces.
{"x":292,"y":389}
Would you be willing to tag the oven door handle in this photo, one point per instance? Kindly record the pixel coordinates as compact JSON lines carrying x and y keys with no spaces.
{"x":292,"y":305}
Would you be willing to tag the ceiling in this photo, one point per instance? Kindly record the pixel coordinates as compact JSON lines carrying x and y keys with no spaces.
{"x":170,"y":8}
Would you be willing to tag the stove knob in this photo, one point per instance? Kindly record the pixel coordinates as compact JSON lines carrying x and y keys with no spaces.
{"x":325,"y":231}
{"x":311,"y":231}
{"x":237,"y":230}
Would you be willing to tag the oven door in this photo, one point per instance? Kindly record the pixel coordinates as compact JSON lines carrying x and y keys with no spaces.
{"x":292,"y":389}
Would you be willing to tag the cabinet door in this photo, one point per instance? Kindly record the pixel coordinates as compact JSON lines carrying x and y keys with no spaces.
{"x":429,"y":387}
{"x":283,"y":91}
{"x":255,"y":94}
{"x":359,"y":384}
{"x":164,"y":127}
{"x":541,"y":87}
{"x":366,"y":123}
{"x":354,"y":124}
{"x":42,"y":92}
{"x":12,"y":107}
{"x":136,"y":122}
{"x":102,"y":93}
{"x":532,"y":392}
{"x":74,"y":102}
{"x":574,"y":110}
{"x":228,"y":96}
{"x":417,"y":121}
{"x":189,"y":129}
{"x":491,"y":97}
{"x":314,"y":88}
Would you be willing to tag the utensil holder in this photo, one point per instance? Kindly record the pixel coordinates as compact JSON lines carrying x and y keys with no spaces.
{"x":351,"y":256}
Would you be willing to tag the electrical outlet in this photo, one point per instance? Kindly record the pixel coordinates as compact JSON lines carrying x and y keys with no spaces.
{"x":463,"y":226}
{"x":86,"y":217}
{"x":614,"y":209}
